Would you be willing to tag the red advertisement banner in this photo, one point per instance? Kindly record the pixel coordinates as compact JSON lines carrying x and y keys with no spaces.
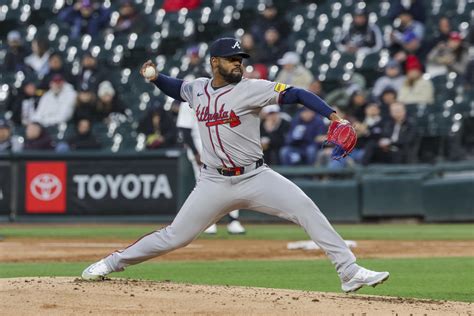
{"x":45,"y":189}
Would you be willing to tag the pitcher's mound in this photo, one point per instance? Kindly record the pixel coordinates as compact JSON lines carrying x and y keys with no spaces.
{"x":70,"y":296}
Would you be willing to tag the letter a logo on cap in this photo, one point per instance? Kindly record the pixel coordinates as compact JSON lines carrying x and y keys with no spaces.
{"x":236,"y":45}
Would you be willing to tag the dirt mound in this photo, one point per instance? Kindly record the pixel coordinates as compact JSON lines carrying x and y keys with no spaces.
{"x":71,"y":250}
{"x":69,"y":296}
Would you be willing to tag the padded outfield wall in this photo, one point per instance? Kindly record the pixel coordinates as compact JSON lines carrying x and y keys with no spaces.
{"x":151,"y":186}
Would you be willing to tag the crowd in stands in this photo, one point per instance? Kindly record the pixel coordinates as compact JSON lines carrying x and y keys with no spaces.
{"x":381,"y":105}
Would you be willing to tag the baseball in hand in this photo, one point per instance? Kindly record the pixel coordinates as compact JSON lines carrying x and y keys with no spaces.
{"x":149,"y":72}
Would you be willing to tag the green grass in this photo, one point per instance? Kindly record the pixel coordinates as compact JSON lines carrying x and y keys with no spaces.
{"x":262,"y":232}
{"x":429,"y":278}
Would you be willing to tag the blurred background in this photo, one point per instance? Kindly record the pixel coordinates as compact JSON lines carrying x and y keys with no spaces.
{"x":401,"y":71}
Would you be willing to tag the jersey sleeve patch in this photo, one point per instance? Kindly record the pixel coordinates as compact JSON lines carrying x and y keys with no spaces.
{"x":279,"y":87}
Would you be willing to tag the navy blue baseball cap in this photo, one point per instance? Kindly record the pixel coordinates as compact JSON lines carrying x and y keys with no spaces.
{"x":226,"y":47}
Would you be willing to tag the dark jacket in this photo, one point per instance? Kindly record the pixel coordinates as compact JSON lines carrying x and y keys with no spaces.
{"x":167,"y":129}
{"x":303,"y":133}
{"x":15,"y":59}
{"x":89,"y":79}
{"x":103,"y":110}
{"x":374,"y":133}
{"x":136,"y":23}
{"x":276,"y":140}
{"x":84,"y":141}
{"x":43,"y":142}
{"x":402,"y":149}
{"x":368,"y":36}
{"x":87,"y":111}
{"x":417,"y":9}
{"x":5,"y":146}
{"x":80,"y":25}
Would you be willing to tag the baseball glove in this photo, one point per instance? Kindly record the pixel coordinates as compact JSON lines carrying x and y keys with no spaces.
{"x":344,"y":138}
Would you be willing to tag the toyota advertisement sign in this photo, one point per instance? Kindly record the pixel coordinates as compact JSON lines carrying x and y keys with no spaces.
{"x":45,"y":187}
{"x":146,"y":187}
{"x":102,"y":187}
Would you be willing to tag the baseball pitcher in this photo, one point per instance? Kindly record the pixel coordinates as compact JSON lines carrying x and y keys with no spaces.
{"x":233,"y":173}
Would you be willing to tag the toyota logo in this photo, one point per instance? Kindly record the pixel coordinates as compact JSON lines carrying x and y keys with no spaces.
{"x":46,"y":187}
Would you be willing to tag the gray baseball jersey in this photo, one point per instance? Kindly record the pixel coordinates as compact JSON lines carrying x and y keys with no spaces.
{"x":229,"y":124}
{"x":228,"y":118}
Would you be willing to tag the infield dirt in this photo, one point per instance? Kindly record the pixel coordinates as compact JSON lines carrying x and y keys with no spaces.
{"x":71,"y":250}
{"x":70,"y":296}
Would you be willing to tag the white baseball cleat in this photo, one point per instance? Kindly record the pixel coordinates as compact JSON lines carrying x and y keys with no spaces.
{"x":96,"y":271}
{"x":211,"y":229}
{"x":364,"y":277}
{"x":235,"y":227}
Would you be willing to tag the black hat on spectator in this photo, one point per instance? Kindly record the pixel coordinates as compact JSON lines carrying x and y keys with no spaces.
{"x":126,"y":2}
{"x":4,"y":123}
{"x":360,"y":11}
{"x":406,"y":11}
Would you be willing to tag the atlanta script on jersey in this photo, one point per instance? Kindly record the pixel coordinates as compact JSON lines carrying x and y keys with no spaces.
{"x":228,"y":118}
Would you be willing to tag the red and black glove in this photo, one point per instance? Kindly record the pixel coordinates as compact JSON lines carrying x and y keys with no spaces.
{"x":343,"y":136}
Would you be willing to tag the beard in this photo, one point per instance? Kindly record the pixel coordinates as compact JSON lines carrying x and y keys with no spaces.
{"x":231,"y":76}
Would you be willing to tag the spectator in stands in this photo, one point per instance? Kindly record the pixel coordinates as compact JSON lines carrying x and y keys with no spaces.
{"x":108,"y":101}
{"x":270,"y":19}
{"x":130,"y":19}
{"x":273,"y":130}
{"x":37,"y":138}
{"x":356,"y":106}
{"x":85,"y":17}
{"x":451,"y":55}
{"x":38,"y":60}
{"x":470,"y":34}
{"x":15,"y":54}
{"x":306,"y":133}
{"x":393,"y":78}
{"x":57,"y":104}
{"x":397,"y":140}
{"x":388,"y":96}
{"x":415,"y":7}
{"x":340,"y":97}
{"x":440,"y":35}
{"x":361,"y":37}
{"x":25,"y":102}
{"x":247,"y":41}
{"x":196,"y":65}
{"x":317,"y":88}
{"x":293,"y":72}
{"x":5,"y":136}
{"x":415,"y":89}
{"x":159,"y":128}
{"x":273,"y":46}
{"x":9,"y":142}
{"x":406,"y":38}
{"x":84,"y":138}
{"x":176,"y":5}
{"x":56,"y":66}
{"x":469,"y":76}
{"x":368,"y":131}
{"x":90,"y":74}
{"x":85,"y":108}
